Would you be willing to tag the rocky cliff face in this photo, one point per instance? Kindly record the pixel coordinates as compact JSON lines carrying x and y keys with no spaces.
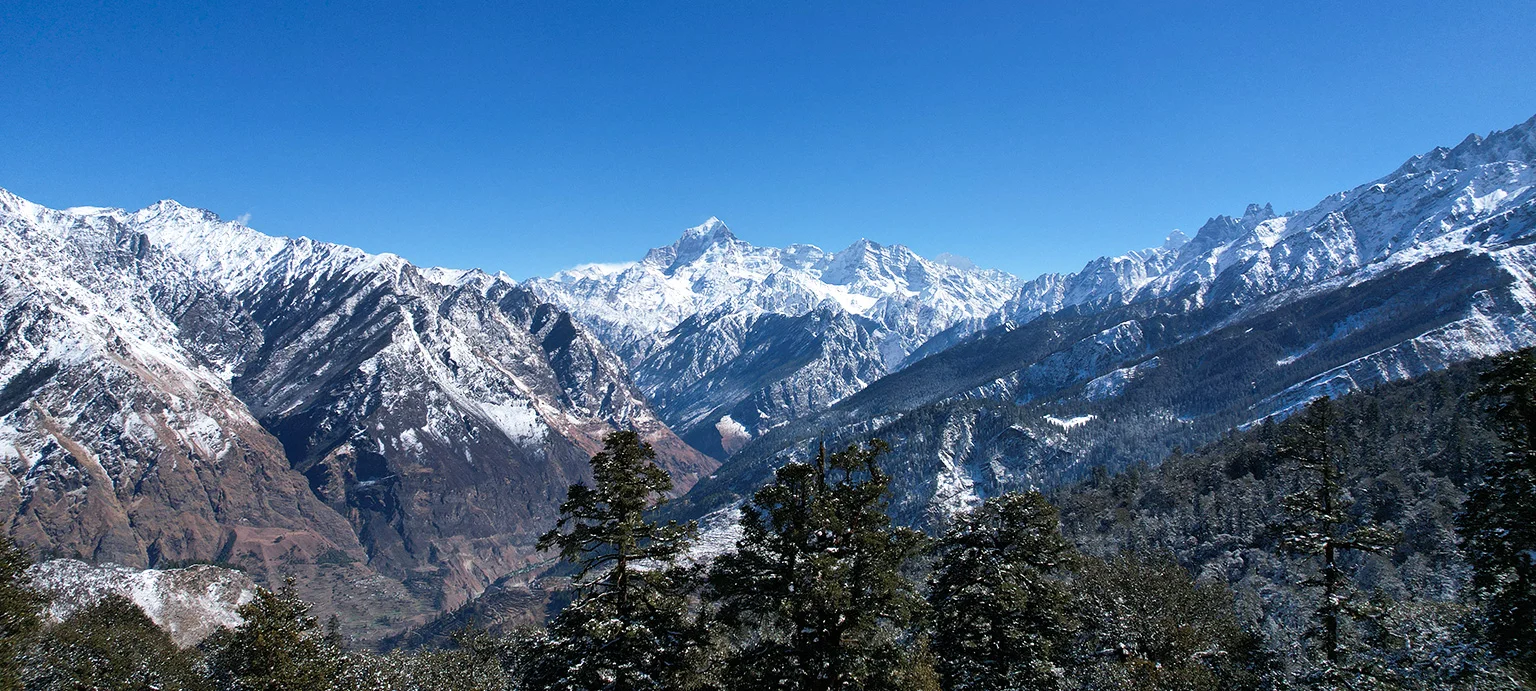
{"x":177,"y":387}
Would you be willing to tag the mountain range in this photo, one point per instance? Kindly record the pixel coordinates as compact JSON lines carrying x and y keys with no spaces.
{"x":1169,"y":347}
{"x":729,"y":340}
{"x":181,"y":388}
{"x":178,"y":388}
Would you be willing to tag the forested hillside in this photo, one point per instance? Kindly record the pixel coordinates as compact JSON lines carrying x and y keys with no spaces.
{"x":1377,"y":541}
{"x":1408,"y":453}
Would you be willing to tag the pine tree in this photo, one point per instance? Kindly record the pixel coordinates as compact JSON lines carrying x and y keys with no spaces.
{"x":1318,"y":525}
{"x":20,"y":608}
{"x":815,"y":597}
{"x":278,"y":646}
{"x":1000,"y":619}
{"x":628,"y":627}
{"x":1498,"y":521}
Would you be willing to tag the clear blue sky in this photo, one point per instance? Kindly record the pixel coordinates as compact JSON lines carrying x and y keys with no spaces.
{"x":528,"y":137}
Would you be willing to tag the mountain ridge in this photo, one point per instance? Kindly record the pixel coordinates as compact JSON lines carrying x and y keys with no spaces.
{"x":1252,"y":317}
{"x":418,"y":425}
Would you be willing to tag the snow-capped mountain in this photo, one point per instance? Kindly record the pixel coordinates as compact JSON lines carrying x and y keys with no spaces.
{"x":703,"y":323}
{"x":177,"y":387}
{"x":1427,"y":206}
{"x":1255,"y":315}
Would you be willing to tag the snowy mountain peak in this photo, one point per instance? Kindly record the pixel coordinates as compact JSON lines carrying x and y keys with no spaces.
{"x":709,"y":269}
{"x":172,"y":211}
{"x":1430,"y":206}
{"x":693,"y":244}
{"x":1254,"y":214}
{"x":1517,"y":143}
{"x":710,"y":227}
{"x":1175,"y":240}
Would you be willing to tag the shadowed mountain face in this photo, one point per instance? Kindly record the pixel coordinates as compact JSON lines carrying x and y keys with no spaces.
{"x":179,"y":388}
{"x":1135,"y":355}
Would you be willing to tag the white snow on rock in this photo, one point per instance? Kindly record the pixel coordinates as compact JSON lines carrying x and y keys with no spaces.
{"x":733,"y":434}
{"x":632,"y":306}
{"x":188,"y":603}
{"x":1069,"y":422}
{"x":1111,"y":384}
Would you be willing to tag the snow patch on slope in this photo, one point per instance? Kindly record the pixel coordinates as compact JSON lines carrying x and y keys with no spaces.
{"x":189,"y":603}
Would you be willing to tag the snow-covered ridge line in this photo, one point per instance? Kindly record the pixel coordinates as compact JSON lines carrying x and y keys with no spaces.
{"x":728,"y":339}
{"x":188,"y":603}
{"x":710,"y":271}
{"x":1413,"y":213}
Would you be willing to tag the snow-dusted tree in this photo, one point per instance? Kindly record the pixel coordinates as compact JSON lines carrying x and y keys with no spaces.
{"x":1145,"y":624}
{"x":478,"y":661}
{"x":628,"y":627}
{"x":1498,"y":522}
{"x":1318,"y":525}
{"x":1000,"y":620}
{"x":19,"y":611}
{"x":814,"y":598}
{"x":279,"y":646}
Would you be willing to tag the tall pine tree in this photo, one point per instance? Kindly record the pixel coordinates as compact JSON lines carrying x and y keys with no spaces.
{"x":1498,"y":522}
{"x":1000,"y":618}
{"x":1318,"y":525}
{"x":628,"y":627}
{"x":815,"y":597}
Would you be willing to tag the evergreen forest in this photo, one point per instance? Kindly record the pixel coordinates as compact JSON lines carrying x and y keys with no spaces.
{"x":1383,"y":540}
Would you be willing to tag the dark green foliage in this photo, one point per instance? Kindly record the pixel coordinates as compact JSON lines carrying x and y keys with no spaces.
{"x":19,"y":606}
{"x":1317,"y":524}
{"x":478,"y":661}
{"x":1406,"y":454}
{"x":1498,"y":522}
{"x":825,"y":591}
{"x":815,"y":596}
{"x":1147,"y":625}
{"x":278,"y":647}
{"x":111,"y":645}
{"x":1000,"y":618}
{"x":628,"y":626}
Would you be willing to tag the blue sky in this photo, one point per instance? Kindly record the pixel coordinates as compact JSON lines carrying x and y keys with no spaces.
{"x":528,"y":137}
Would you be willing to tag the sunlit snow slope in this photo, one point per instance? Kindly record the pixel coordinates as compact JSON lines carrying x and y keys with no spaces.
{"x":730,"y":340}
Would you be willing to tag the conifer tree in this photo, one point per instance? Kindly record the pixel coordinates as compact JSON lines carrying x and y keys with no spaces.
{"x":1000,"y":619}
{"x":278,"y":646}
{"x":19,"y":611}
{"x":628,"y":627}
{"x":1498,"y":521}
{"x":1144,"y":623}
{"x":1318,"y":525}
{"x":815,"y":597}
